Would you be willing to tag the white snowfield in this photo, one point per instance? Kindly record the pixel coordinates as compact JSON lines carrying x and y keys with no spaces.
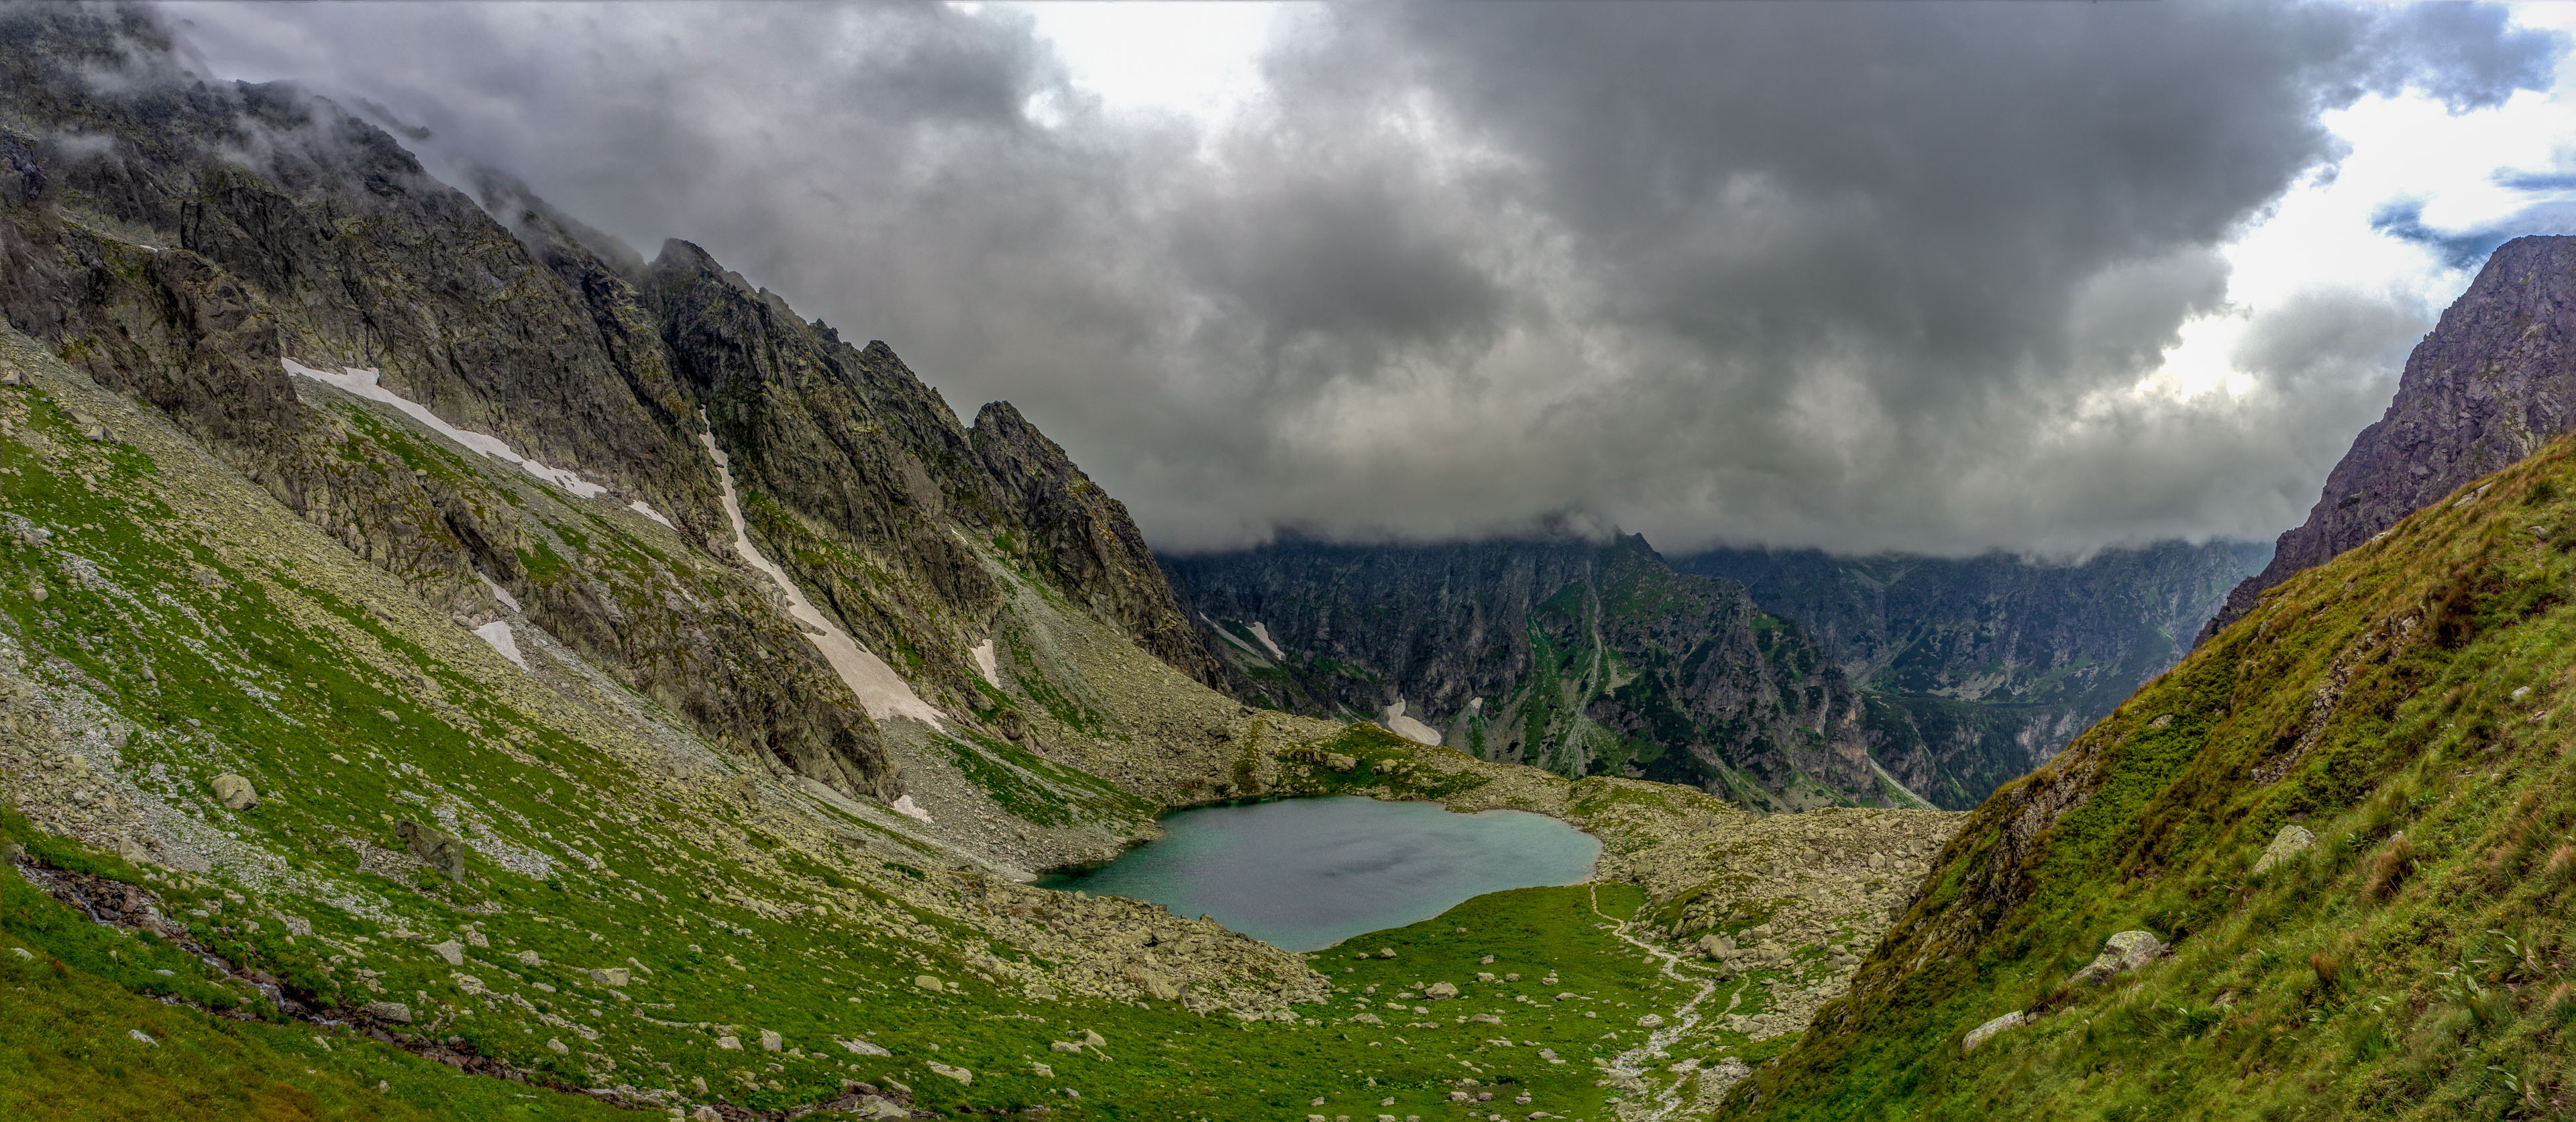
{"x":498,"y":634}
{"x":498,"y":592}
{"x":364,"y":383}
{"x":884,"y":693}
{"x":985,"y":663}
{"x":1399,"y":724}
{"x":1258,"y":632}
{"x":639,"y":506}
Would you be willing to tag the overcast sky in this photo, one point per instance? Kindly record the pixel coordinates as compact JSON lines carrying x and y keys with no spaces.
{"x":1939,"y":277}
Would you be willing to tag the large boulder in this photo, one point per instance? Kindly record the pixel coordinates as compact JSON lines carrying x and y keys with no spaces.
{"x":1986,"y":1031}
{"x":2122,"y":953}
{"x":443,"y":851}
{"x":1154,"y":982}
{"x":235,"y":792}
{"x":2289,"y":843}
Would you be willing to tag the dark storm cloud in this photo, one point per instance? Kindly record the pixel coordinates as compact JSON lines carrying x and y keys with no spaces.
{"x":1863,"y":276}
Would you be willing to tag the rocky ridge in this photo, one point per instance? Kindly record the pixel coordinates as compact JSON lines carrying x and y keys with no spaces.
{"x":2490,"y":384}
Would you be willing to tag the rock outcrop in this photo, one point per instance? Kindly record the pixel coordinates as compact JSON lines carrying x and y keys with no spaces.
{"x":2492,"y":382}
{"x":2289,"y":843}
{"x":2121,"y":953}
{"x":853,"y":450}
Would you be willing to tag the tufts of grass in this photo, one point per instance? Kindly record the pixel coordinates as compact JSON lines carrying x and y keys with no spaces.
{"x":2406,"y":703}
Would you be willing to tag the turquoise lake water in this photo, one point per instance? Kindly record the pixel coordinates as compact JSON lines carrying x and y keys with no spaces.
{"x":1302,"y":874}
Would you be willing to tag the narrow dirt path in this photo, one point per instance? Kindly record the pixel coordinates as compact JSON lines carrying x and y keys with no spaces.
{"x":1632,"y":1063}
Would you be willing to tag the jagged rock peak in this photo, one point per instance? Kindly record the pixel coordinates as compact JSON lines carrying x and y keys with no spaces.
{"x":2491,"y":383}
{"x":863,"y":451}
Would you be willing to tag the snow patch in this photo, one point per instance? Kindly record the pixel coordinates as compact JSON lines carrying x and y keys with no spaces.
{"x":1263,"y":634}
{"x":363,"y":383}
{"x":984,"y":663}
{"x":1227,"y":633}
{"x":1399,"y":724}
{"x":499,"y":593}
{"x":639,"y":506}
{"x":884,"y":693}
{"x":498,"y":634}
{"x":906,"y":806}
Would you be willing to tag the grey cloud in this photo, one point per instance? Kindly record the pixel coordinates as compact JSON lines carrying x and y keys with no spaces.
{"x":2326,"y":336}
{"x":1858,"y":276}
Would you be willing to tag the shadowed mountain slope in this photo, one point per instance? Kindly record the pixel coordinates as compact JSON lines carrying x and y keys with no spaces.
{"x":1576,"y":657}
{"x":1993,"y":662}
{"x":182,"y":241}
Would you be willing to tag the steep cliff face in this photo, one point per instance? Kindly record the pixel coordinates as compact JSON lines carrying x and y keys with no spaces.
{"x":2493,"y":381}
{"x":2341,"y":826}
{"x":1993,"y":663}
{"x":179,"y":241}
{"x":1570,"y":656}
{"x":847,"y":449}
{"x":189,"y":243}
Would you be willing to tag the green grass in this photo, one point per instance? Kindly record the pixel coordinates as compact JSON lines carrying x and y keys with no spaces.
{"x":251,"y":646}
{"x":2416,"y":686}
{"x":1036,"y":789}
{"x":65,"y":1053}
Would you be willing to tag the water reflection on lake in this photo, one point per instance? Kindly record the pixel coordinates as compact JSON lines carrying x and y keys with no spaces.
{"x":1307,"y":873}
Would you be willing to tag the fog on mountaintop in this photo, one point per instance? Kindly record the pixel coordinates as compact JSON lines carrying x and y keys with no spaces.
{"x":1858,"y":277}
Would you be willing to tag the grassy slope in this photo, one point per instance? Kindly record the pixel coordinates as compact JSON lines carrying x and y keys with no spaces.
{"x":190,"y":628}
{"x":72,"y":1004}
{"x":2406,"y":704}
{"x":72,"y":993}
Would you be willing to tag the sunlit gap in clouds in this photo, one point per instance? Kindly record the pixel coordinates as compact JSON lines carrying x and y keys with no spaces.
{"x":1199,"y":60}
{"x":2327,"y":244}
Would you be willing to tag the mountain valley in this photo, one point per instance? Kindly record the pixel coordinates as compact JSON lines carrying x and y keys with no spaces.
{"x":456,"y":666}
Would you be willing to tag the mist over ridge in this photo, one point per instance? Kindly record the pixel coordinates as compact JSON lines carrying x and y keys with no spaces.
{"x":1855,"y":279}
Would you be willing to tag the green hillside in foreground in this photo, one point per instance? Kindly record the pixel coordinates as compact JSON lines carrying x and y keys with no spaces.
{"x":2407,"y":706}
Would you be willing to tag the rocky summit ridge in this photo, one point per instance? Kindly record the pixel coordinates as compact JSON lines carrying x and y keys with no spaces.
{"x":2493,"y":382}
{"x":453,"y":667}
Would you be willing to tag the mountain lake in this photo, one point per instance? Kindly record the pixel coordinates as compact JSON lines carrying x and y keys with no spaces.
{"x":1304,"y":874}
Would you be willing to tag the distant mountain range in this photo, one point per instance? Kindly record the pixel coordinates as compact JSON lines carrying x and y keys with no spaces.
{"x":1994,"y":662}
{"x":1782,"y":679}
